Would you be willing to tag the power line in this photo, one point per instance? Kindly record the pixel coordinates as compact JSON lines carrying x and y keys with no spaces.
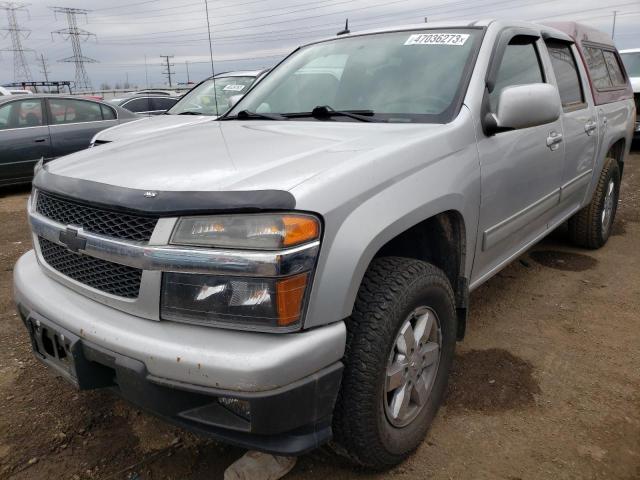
{"x":75,"y":35}
{"x":167,"y":65}
{"x":20,"y":66}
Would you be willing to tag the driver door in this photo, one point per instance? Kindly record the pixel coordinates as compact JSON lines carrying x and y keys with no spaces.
{"x":520,"y":169}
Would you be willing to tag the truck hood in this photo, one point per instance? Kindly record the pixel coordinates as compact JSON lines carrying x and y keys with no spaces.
{"x":238,"y":155}
{"x":635,"y":84}
{"x":147,"y":125}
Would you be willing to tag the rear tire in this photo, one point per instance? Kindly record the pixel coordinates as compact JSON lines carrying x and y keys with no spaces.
{"x":400,"y":300}
{"x":591,"y":226}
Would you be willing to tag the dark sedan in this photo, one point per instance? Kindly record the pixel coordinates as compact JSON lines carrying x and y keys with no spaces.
{"x":48,"y":126}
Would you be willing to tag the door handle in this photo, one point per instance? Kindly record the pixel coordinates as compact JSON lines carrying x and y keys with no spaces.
{"x":553,"y":140}
{"x":40,"y":140}
{"x":590,"y":126}
{"x":604,"y":121}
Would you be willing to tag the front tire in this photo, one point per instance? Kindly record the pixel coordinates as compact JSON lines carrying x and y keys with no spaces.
{"x":591,"y":226}
{"x":400,"y":346}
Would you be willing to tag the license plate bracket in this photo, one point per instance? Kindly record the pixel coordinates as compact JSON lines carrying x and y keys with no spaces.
{"x":62,"y":351}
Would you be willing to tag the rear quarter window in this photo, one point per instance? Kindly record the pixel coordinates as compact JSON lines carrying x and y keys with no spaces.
{"x":604,"y":68}
{"x":597,"y":68}
{"x":108,"y":113}
{"x":615,"y":71}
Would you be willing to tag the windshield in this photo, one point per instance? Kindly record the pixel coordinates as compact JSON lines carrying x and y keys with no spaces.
{"x":411,"y":76}
{"x":632,"y":63}
{"x":201,"y":99}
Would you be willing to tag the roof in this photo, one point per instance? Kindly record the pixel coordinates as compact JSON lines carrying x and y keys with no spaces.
{"x":580,"y":32}
{"x":35,"y":96}
{"x":411,"y":26}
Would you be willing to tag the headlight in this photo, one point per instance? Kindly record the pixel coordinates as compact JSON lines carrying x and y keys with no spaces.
{"x":247,"y":303}
{"x":259,"y":231}
{"x":240,"y":301}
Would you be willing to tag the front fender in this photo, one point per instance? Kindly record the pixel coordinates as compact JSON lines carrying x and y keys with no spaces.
{"x":356,"y":230}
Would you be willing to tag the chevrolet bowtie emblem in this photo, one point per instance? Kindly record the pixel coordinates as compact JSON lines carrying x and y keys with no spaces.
{"x":69,"y":238}
{"x":150,"y":194}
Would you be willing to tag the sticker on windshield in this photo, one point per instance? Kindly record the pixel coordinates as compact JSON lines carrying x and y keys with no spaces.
{"x":234,"y":88}
{"x":456,"y":39}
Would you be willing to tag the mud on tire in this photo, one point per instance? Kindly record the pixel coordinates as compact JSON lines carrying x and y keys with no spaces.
{"x":392,"y":289}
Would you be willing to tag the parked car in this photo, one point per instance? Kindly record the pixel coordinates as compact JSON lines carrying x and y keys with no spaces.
{"x":146,"y":104}
{"x":631,"y":59}
{"x":198,"y":105}
{"x":300,"y":269}
{"x":39,"y":126}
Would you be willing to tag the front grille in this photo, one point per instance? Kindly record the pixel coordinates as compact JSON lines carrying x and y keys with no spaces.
{"x":96,"y":220}
{"x":108,"y":277}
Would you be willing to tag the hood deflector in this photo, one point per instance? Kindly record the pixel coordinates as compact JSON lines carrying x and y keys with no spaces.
{"x":162,"y":203}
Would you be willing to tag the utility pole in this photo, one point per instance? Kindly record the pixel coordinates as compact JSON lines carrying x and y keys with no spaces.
{"x":186,"y":62}
{"x":146,"y":73}
{"x":167,"y":65}
{"x":75,"y":35}
{"x":613,"y":29}
{"x":45,"y":68}
{"x":20,"y":66}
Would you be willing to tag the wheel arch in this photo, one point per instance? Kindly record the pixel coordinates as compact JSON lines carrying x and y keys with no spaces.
{"x":441,"y":241}
{"x":617,"y":150}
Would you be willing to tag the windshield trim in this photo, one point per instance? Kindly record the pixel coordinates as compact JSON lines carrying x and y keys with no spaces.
{"x":444,"y":117}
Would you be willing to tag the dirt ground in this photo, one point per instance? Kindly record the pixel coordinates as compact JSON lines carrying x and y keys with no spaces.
{"x":546,"y":384}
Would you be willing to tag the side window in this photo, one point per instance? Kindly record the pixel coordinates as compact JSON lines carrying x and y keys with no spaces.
{"x":520,"y":66}
{"x":597,"y":68}
{"x":162,"y":103}
{"x":21,"y":114}
{"x":138,"y":105}
{"x":66,"y":110}
{"x":615,"y":72}
{"x":108,"y":113}
{"x":566,"y":71}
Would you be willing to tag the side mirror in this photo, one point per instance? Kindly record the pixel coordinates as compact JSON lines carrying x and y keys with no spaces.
{"x":524,"y":106}
{"x":233,"y":100}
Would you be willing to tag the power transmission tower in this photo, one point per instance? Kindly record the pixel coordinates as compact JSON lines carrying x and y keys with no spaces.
{"x":45,"y":68}
{"x":168,"y":72}
{"x":75,"y":35}
{"x":20,"y":66}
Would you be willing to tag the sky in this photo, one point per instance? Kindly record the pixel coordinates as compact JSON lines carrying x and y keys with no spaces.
{"x":131,"y":35}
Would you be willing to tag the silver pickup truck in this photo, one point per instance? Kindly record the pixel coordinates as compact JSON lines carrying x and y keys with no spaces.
{"x":298,"y":271}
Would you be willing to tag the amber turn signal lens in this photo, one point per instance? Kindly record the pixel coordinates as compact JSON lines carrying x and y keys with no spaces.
{"x":290,"y":293}
{"x":299,"y":229}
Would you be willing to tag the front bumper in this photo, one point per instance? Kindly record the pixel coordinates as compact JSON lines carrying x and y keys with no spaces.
{"x":180,"y":371}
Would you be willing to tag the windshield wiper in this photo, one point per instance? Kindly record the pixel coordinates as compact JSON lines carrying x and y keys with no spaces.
{"x":247,"y":115}
{"x":324,"y":112}
{"x":189,"y":112}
